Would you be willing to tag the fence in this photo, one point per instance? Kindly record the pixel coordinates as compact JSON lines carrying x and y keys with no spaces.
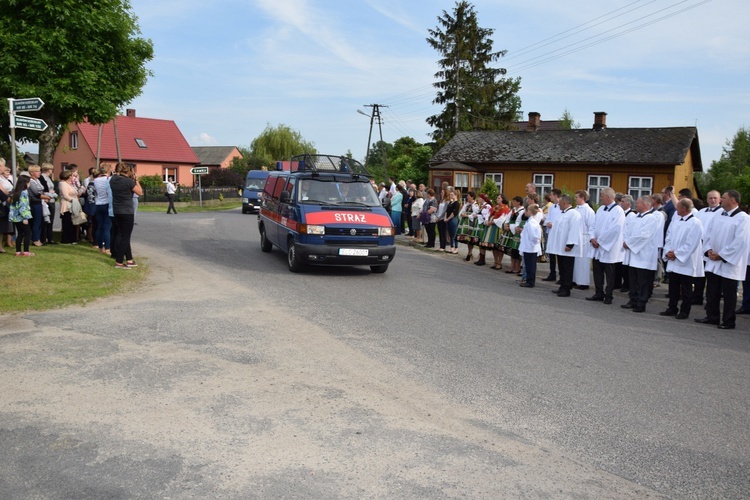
{"x":190,"y":194}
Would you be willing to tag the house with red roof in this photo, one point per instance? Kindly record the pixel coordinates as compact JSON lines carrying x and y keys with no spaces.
{"x":154,"y":146}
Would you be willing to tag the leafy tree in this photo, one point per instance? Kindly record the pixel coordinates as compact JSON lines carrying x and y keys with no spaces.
{"x":279,"y":144}
{"x":85,"y":60}
{"x":154,"y":182}
{"x":475,"y":95}
{"x":490,"y":189}
{"x":241,"y":166}
{"x":732,"y":170}
{"x":567,"y":121}
{"x":380,"y":152}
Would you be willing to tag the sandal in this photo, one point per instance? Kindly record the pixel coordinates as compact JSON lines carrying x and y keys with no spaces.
{"x":510,"y":271}
{"x":27,"y":254}
{"x":496,"y":267}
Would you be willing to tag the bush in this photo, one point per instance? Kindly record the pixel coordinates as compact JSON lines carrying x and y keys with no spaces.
{"x":222,"y":177}
{"x":151,"y":181}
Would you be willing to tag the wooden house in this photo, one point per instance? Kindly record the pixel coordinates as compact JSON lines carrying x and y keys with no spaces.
{"x":635,"y":161}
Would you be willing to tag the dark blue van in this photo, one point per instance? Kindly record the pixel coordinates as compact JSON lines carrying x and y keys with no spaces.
{"x":251,"y":194}
{"x":325,"y":212}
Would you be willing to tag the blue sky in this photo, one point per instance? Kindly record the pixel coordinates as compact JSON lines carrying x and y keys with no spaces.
{"x":225,"y":69}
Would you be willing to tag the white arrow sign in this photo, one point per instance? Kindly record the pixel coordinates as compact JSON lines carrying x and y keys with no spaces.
{"x":29,"y":104}
{"x":29,"y":123}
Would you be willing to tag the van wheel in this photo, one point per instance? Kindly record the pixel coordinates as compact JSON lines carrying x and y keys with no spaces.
{"x":265,"y":245}
{"x":292,"y":258}
{"x":379,"y":269}
{"x":244,"y":211}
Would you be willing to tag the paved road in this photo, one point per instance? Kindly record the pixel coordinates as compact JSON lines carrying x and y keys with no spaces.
{"x":226,"y":376}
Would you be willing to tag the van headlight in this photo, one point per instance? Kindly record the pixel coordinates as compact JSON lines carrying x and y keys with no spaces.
{"x":385,"y":231}
{"x":311,"y":229}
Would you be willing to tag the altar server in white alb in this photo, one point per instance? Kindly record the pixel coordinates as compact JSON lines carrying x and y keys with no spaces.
{"x":531,"y":245}
{"x":684,"y":258}
{"x":566,"y":241}
{"x":726,"y":246}
{"x":582,"y":268}
{"x":606,"y":245}
{"x":706,"y":215}
{"x":643,"y":238}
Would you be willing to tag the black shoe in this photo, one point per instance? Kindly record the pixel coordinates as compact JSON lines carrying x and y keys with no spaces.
{"x":550,"y":278}
{"x":669,"y":312}
{"x":582,"y":287}
{"x":624,"y":290}
{"x":564,"y":294}
{"x":725,"y":327}
{"x":639,"y":309}
{"x":681,"y":316}
{"x":595,"y":298}
{"x":742,"y":311}
{"x":629,"y":305}
{"x":558,"y":282}
{"x":706,"y":321}
{"x":607,"y":300}
{"x":480,"y":262}
{"x":526,"y":285}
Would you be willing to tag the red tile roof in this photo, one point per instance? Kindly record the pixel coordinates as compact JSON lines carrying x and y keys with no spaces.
{"x":164,"y":141}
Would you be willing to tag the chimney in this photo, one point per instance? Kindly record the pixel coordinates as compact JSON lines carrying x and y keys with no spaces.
{"x":534,"y":121}
{"x":600,"y":120}
{"x":130,"y":113}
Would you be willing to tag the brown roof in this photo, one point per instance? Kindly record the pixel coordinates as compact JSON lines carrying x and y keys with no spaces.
{"x":212,"y":155}
{"x":653,"y":146}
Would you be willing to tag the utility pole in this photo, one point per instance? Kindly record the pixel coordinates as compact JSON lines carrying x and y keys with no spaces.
{"x":375,"y":115}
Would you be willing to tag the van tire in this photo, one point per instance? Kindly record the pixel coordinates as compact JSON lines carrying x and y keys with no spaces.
{"x":292,"y":258}
{"x":379,"y":269}
{"x":265,"y":245}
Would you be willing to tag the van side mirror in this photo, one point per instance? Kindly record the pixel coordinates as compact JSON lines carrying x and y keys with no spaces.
{"x":284,"y":197}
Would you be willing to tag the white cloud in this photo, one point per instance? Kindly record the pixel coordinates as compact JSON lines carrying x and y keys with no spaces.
{"x":205,"y":139}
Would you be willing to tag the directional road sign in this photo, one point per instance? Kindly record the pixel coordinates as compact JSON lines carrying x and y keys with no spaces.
{"x":199,"y":170}
{"x":30,"y":104}
{"x":30,"y":123}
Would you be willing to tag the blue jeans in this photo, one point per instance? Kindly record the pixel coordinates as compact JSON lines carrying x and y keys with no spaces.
{"x":103,"y":226}
{"x":37,"y":222}
{"x":452,"y":229}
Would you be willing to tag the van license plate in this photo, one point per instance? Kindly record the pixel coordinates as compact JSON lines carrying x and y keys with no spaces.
{"x":358,"y":252}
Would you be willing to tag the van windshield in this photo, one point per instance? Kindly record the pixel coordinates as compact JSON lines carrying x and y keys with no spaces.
{"x":255,"y":184}
{"x":337,"y":192}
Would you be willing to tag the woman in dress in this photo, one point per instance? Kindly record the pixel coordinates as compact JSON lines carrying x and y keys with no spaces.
{"x":499,"y":216}
{"x":511,"y":236}
{"x":467,"y":220}
{"x":483,"y":227}
{"x":7,"y":227}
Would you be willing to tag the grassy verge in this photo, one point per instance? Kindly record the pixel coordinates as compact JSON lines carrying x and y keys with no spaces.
{"x":61,"y":275}
{"x":193,"y":207}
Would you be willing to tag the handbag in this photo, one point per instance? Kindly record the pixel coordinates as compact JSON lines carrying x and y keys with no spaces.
{"x":79,"y":218}
{"x":424,"y":217}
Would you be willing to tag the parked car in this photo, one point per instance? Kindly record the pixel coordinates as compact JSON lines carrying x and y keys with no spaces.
{"x":324,"y":212}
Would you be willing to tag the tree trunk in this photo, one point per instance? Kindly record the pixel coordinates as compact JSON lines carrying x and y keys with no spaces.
{"x":49,"y":138}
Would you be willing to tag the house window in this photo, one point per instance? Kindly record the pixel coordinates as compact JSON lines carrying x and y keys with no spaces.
{"x":141,"y":143}
{"x":497,"y":179}
{"x":476,"y":182}
{"x":462,"y":181}
{"x":596,"y":184}
{"x":640,"y":186}
{"x":170,"y":172}
{"x":544,"y":183}
{"x":74,"y":140}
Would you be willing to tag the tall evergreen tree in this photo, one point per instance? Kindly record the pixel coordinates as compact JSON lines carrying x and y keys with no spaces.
{"x":475,"y":95}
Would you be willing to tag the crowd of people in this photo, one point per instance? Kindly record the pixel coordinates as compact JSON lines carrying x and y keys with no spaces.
{"x":701,"y":251}
{"x":99,"y":210}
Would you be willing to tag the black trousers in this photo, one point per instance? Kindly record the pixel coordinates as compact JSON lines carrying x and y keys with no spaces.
{"x":529,"y":265}
{"x":23,"y":235}
{"x":699,"y":288}
{"x":566,"y":265}
{"x":716,"y":287}
{"x":442,"y":233}
{"x":641,"y":281}
{"x":552,"y":265}
{"x":604,"y":271}
{"x":170,"y":197}
{"x":622,"y":278}
{"x":680,"y":287}
{"x":430,"y":230}
{"x":121,"y":247}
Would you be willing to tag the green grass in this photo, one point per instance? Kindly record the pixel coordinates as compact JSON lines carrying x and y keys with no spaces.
{"x":208,"y":206}
{"x":62,"y":275}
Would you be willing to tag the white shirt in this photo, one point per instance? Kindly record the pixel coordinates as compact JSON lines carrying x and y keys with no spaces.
{"x":644,"y":235}
{"x":531,"y":237}
{"x":567,"y":232}
{"x":729,"y":236}
{"x":684,"y":238}
{"x":608,"y":226}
